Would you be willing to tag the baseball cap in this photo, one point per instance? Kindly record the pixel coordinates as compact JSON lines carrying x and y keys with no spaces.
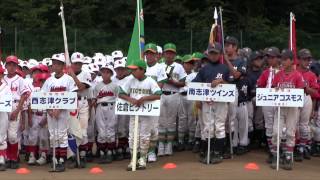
{"x":178,"y":58}
{"x":42,"y":76}
{"x":32,"y":63}
{"x":216,"y":48}
{"x":159,"y":49}
{"x":187,"y":58}
{"x":139,"y":63}
{"x":45,"y":61}
{"x":170,"y":47}
{"x":286,"y":54}
{"x":87,"y":60}
{"x":255,"y":55}
{"x":99,"y":60}
{"x":107,"y":67}
{"x":197,"y":56}
{"x":304,"y":53}
{"x":77,"y":57}
{"x":231,"y":40}
{"x":150,"y":47}
{"x":12,"y":59}
{"x":59,"y":57}
{"x":120,"y":64}
{"x":273,"y":51}
{"x":23,"y":64}
{"x":117,"y":54}
{"x":94,"y":67}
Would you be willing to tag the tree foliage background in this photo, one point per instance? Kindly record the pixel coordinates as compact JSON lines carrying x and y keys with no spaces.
{"x":105,"y":25}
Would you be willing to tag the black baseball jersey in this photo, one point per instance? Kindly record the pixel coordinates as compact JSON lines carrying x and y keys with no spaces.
{"x":240,"y":65}
{"x":253,"y":76}
{"x":212,"y":71}
{"x":243,"y":86}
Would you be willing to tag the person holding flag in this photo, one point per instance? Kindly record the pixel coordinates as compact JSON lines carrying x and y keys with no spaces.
{"x":137,"y":90}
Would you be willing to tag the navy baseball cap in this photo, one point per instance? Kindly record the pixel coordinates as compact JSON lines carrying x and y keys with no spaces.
{"x":216,"y":48}
{"x":255,"y":55}
{"x":273,"y":51}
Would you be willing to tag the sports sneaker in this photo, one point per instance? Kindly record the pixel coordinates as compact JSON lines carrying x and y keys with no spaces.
{"x":196,"y":147}
{"x":298,"y":154}
{"x":60,"y":166}
{"x":152,"y":157}
{"x":109,"y":157}
{"x":42,"y":160}
{"x":161,"y":149}
{"x":14,"y":165}
{"x":2,"y":164}
{"x":273,"y":164}
{"x":142,"y":164}
{"x":216,"y":158}
{"x":32,"y":159}
{"x":119,"y":154}
{"x":103,"y":157}
{"x":168,"y":149}
{"x":306,"y":153}
{"x":287,"y":162}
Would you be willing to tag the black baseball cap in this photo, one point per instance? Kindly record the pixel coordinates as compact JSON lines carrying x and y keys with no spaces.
{"x":255,"y":55}
{"x":304,"y":53}
{"x":272,"y":51}
{"x":232,"y":40}
{"x":286,"y":54}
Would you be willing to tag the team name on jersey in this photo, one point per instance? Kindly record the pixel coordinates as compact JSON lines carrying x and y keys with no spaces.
{"x":14,"y":89}
{"x":58,"y":89}
{"x":140,"y":91}
{"x":105,"y":94}
{"x":286,"y":85}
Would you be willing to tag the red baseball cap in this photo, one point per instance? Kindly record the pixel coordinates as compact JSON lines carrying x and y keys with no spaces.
{"x":13,"y":59}
{"x":42,"y":76}
{"x":44,"y":68}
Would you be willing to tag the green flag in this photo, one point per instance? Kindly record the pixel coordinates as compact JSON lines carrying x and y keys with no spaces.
{"x":137,"y":39}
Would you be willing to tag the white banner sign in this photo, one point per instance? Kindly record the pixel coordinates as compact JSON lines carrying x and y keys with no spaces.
{"x":5,"y":103}
{"x":151,"y":108}
{"x":54,"y":100}
{"x":204,"y":92}
{"x":280,"y":97}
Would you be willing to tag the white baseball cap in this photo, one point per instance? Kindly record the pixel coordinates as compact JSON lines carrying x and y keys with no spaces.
{"x":32,"y":63}
{"x":94,"y":67}
{"x":77,"y":57}
{"x":87,"y":60}
{"x":107,"y":67}
{"x":159,"y":49}
{"x":120,"y":63}
{"x":59,"y":57}
{"x":23,"y":64}
{"x":45,"y":61}
{"x":109,"y":59}
{"x":99,"y":60}
{"x":117,"y":54}
{"x":98,"y":54}
{"x":86,"y":68}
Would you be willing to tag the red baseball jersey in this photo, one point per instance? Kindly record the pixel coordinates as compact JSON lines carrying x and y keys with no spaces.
{"x":311,"y":81}
{"x":265,"y":79}
{"x":292,"y":79}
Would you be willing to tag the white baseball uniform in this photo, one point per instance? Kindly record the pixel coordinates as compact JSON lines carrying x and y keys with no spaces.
{"x":58,"y":128}
{"x":18,"y":88}
{"x":106,"y":94}
{"x":170,"y":102}
{"x":4,"y":121}
{"x":136,"y":89}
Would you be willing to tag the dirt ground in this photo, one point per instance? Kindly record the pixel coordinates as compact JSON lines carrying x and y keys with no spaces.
{"x":188,"y":167}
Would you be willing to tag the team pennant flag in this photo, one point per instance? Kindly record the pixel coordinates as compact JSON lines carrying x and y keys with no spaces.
{"x":216,"y":32}
{"x":137,"y":39}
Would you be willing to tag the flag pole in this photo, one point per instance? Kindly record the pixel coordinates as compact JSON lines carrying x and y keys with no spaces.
{"x":65,"y":40}
{"x":222,"y":33}
{"x":136,"y":117}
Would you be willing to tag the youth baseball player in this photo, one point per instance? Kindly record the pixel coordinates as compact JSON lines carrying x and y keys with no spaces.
{"x":105,"y":94}
{"x":214,"y":114}
{"x":265,"y":81}
{"x":187,"y":121}
{"x":58,"y":118}
{"x":303,"y":146}
{"x":170,"y":100}
{"x":137,"y":90}
{"x":288,"y":77}
{"x":20,"y":93}
{"x":157,"y":72}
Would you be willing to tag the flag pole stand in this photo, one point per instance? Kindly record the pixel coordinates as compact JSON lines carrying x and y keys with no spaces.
{"x":135,"y":143}
{"x":54,"y":159}
{"x":209,"y":133}
{"x":278,"y":139}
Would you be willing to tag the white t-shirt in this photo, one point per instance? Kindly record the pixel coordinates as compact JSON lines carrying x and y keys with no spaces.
{"x":157,"y":72}
{"x":64,"y":83}
{"x":105,"y":92}
{"x":17,"y":86}
{"x":189,"y":78}
{"x":137,"y":89}
{"x":177,"y":73}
